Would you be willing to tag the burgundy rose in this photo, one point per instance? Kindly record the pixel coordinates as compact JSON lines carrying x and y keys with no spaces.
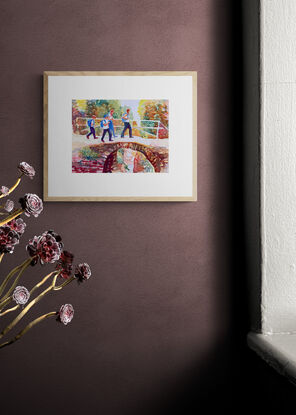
{"x":65,"y":264}
{"x":26,"y":169}
{"x":66,"y":313}
{"x":32,"y":249}
{"x":82,"y":272}
{"x":17,"y":225}
{"x":8,"y":239}
{"x":9,"y":205}
{"x":46,"y":247}
{"x":21,"y":295}
{"x":32,"y":204}
{"x":4,"y":190}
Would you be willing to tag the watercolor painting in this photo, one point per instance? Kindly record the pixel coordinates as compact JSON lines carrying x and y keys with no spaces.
{"x":120,"y":136}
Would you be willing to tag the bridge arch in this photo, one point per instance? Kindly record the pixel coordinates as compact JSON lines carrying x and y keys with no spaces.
{"x":112,"y":156}
{"x":152,"y":155}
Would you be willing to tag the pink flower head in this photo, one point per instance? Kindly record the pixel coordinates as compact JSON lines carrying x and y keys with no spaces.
{"x":83,"y":272}
{"x":17,"y":225}
{"x":46,"y":247}
{"x":66,"y":313}
{"x":26,"y":169}
{"x":21,"y":295}
{"x":32,"y":204}
{"x":9,"y":205}
{"x":4,"y":190}
{"x":65,"y":264}
{"x":8,"y":239}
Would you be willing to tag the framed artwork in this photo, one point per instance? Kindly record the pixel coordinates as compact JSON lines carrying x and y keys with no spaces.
{"x":140,"y":126}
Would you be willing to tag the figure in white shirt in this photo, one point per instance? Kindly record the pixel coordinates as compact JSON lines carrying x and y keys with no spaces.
{"x":125,"y":119}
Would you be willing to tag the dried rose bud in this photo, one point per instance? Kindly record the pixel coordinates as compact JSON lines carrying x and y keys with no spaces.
{"x":9,"y":205}
{"x":65,"y":264}
{"x":8,"y":239}
{"x":66,"y":313}
{"x":83,"y":272}
{"x":46,"y":247}
{"x":21,"y":295}
{"x":4,"y":190}
{"x":32,"y":204}
{"x":26,"y":169}
{"x":17,"y":225}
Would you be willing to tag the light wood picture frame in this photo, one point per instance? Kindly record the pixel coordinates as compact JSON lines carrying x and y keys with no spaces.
{"x":120,"y":122}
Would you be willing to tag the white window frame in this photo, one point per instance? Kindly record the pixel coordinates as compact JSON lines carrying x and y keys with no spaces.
{"x":270,"y":137}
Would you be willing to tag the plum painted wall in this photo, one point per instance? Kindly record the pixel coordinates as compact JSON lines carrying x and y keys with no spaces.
{"x":152,"y":325}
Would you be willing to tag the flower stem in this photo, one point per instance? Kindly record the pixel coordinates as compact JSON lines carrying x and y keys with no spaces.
{"x":59,"y":287}
{"x":42,"y":282}
{"x":10,"y":275}
{"x":14,"y":215}
{"x":5,"y":302}
{"x":9,"y":310}
{"x":16,"y":280}
{"x":9,"y":299}
{"x":1,"y":257}
{"x":28,"y":327}
{"x":27,"y":308}
{"x":13,"y":187}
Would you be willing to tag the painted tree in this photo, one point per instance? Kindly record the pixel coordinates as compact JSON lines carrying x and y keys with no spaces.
{"x":91,"y":108}
{"x":75,"y":114}
{"x":154,"y":110}
{"x":104,"y":106}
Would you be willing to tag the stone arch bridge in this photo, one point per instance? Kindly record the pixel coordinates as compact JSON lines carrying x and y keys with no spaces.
{"x":158,"y":156}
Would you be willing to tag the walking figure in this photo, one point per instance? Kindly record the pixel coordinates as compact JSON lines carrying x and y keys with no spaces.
{"x":111,"y":126}
{"x":105,"y":125}
{"x":125,"y":119}
{"x":91,"y":125}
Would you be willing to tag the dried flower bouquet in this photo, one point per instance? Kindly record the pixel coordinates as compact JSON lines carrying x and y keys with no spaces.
{"x":45,"y":249}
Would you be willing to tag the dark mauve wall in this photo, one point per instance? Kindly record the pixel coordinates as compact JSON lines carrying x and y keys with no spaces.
{"x":151,"y":328}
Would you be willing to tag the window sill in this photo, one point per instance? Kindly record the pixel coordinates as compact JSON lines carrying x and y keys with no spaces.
{"x":278,"y":350}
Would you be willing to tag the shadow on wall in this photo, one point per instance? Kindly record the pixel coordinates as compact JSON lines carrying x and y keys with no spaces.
{"x":201,"y":386}
{"x":225,"y":371}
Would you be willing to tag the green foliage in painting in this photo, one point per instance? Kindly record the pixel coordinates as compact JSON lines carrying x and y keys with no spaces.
{"x":88,"y":154}
{"x":154,"y":110}
{"x":90,"y":108}
{"x":75,"y":114}
{"x":101,"y":107}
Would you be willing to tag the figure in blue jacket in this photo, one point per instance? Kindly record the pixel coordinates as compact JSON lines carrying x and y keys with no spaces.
{"x":91,"y":125}
{"x":110,"y":118}
{"x":105,"y":125}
